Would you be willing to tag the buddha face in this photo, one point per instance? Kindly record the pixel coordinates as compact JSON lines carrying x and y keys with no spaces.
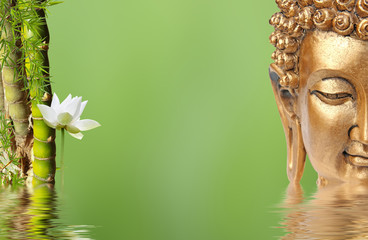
{"x":331,"y":105}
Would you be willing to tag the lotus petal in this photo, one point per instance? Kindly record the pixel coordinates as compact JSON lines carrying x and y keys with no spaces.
{"x":77,"y":116}
{"x":55,"y":101}
{"x":72,"y":129}
{"x":49,"y":115}
{"x":51,"y":124}
{"x":77,"y":135}
{"x":64,"y":103}
{"x":71,"y":106}
{"x":86,"y":124}
{"x":77,"y":109}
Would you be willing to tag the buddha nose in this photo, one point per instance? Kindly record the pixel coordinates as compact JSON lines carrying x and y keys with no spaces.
{"x":359,"y":132}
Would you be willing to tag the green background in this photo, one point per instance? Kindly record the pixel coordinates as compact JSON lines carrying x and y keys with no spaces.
{"x":191,"y":144}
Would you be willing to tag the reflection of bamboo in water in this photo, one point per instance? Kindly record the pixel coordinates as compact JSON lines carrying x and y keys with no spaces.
{"x":42,"y":210}
{"x":18,"y":219}
{"x":43,"y":213}
{"x":31,"y":213}
{"x":9,"y":202}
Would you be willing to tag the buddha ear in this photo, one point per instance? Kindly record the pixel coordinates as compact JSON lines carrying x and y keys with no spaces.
{"x":285,"y":97}
{"x":286,"y":104}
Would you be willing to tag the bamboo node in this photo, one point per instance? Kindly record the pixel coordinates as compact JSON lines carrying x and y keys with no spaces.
{"x":16,"y":102}
{"x":49,"y":139}
{"x":45,"y":159}
{"x":15,"y":84}
{"x":49,"y":179}
{"x":20,"y":120}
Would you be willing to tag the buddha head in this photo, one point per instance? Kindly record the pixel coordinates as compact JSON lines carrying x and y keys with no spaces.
{"x":320,"y":81}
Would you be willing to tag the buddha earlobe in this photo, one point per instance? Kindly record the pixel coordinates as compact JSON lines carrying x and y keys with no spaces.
{"x":285,"y":100}
{"x":295,"y":152}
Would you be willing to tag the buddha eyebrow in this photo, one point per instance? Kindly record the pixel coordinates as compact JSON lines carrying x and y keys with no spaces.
{"x":339,"y":78}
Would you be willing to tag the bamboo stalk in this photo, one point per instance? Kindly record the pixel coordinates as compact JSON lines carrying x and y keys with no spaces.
{"x":2,"y":105}
{"x":16,"y":97}
{"x":37,"y":68}
{"x":2,"y":96}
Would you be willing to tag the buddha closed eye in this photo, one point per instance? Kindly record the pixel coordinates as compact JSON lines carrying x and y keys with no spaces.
{"x":332,"y":98}
{"x":320,"y":84}
{"x":333,"y":91}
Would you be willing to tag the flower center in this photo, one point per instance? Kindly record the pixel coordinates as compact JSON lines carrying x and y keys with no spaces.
{"x":64,"y":118}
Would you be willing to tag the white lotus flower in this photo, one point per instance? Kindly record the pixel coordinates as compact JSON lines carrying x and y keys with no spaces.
{"x":67,"y":115}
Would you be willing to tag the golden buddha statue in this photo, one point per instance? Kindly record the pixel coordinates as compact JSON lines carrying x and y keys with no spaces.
{"x":320,"y":82}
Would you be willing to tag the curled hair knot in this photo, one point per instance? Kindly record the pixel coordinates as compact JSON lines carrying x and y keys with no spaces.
{"x":282,"y":23}
{"x":286,"y":61}
{"x":284,"y":81}
{"x":291,"y":45}
{"x":305,"y":3}
{"x":284,"y":42}
{"x":274,"y":38}
{"x":305,"y":18}
{"x":281,"y":44}
{"x":343,"y":23}
{"x":290,"y":25}
{"x":288,"y":7}
{"x":290,"y":80}
{"x":274,"y":55}
{"x":293,"y":79}
{"x":362,"y":8}
{"x":345,"y":5}
{"x":297,"y":32}
{"x":275,"y":19}
{"x":323,"y":3}
{"x":323,"y":18}
{"x":362,"y":29}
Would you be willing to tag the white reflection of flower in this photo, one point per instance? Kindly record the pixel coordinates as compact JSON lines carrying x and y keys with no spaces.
{"x":67,"y":115}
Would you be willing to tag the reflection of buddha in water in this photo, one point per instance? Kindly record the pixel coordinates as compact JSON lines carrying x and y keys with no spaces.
{"x":336,"y":211}
{"x":320,"y":82}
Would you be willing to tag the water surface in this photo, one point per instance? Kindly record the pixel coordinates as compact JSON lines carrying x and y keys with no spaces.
{"x":333,"y":212}
{"x":34,"y":213}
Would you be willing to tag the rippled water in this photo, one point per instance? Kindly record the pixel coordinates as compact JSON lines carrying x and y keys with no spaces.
{"x":333,"y":212}
{"x":33,"y":213}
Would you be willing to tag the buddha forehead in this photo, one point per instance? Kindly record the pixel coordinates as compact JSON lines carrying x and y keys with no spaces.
{"x":328,"y":54}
